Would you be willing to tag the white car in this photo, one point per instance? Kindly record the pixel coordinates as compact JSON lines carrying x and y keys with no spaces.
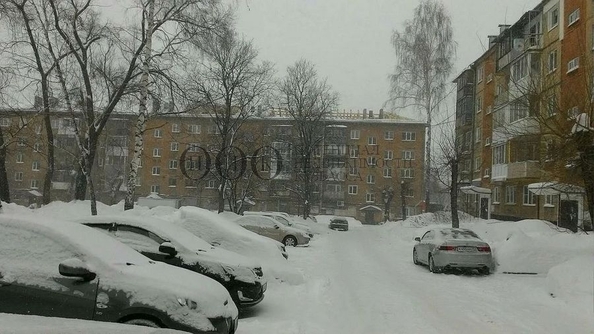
{"x":282,"y":218}
{"x":268,"y":227}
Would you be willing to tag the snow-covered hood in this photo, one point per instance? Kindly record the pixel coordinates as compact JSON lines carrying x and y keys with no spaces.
{"x":224,"y":263}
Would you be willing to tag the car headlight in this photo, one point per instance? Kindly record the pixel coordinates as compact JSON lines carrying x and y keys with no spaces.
{"x":192,"y":305}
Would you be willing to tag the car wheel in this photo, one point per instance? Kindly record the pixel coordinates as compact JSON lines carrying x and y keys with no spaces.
{"x":432,"y":267}
{"x":416,"y":257}
{"x":142,"y":322}
{"x":290,"y":241}
{"x":484,"y":271}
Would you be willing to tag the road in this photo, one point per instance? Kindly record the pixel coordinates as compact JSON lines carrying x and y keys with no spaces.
{"x":363,"y":281}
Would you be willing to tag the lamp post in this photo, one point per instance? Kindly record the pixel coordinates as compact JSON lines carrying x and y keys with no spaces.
{"x":387,"y":195}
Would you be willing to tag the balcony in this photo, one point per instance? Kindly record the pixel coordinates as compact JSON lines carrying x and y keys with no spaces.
{"x":334,"y":195}
{"x":524,"y":169}
{"x":502,"y":98}
{"x":499,"y":172}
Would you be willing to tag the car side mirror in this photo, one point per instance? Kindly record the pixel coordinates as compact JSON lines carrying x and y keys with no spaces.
{"x":168,"y":248}
{"x":276,"y":226}
{"x":417,"y":239}
{"x":76,"y":268}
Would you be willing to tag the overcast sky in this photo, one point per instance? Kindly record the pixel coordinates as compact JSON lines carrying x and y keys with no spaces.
{"x":349,"y":40}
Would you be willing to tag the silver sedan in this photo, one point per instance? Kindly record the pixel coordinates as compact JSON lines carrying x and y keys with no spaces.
{"x":452,"y":248}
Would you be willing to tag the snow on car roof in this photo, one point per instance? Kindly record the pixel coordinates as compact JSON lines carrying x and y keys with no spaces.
{"x":456,"y":233}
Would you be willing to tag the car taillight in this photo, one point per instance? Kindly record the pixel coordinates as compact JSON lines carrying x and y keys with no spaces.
{"x":447,"y":248}
{"x":484,"y":249}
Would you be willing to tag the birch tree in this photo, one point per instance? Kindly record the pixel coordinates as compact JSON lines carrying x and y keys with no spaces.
{"x":425,"y":52}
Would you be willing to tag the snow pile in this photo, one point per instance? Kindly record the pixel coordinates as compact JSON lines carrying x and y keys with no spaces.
{"x":573,"y":282}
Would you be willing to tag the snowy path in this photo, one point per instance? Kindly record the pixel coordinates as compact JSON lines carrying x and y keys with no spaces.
{"x":361,"y":281}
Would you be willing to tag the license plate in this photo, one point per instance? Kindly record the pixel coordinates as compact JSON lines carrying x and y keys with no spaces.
{"x":466,"y":249}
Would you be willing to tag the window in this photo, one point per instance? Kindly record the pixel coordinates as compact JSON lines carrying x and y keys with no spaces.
{"x":5,"y":122}
{"x":353,"y":171}
{"x":573,"y":64}
{"x":193,"y":147}
{"x":35,"y":166}
{"x":518,"y":110}
{"x":38,"y":129}
{"x":156,"y":152}
{"x":407,"y":173}
{"x":354,"y":152}
{"x":477,"y":163}
{"x":37,"y":147}
{"x":353,"y":190}
{"x":388,"y":155}
{"x":510,"y":194}
{"x":175,"y":127}
{"x":355,"y":134}
{"x":389,"y":135}
{"x":371,"y":161}
{"x":408,"y":155}
{"x":489,"y":109}
{"x":194,"y":128}
{"x":172,"y":182}
{"x":173,"y":164}
{"x":21,"y":141}
{"x":487,"y":141}
{"x":387,"y":172}
{"x":529,"y":198}
{"x":409,"y":136}
{"x":174,"y":146}
{"x":479,"y":74}
{"x":487,"y":173}
{"x":553,"y":18}
{"x":478,"y":135}
{"x":479,"y":104}
{"x":155,"y":188}
{"x":520,"y":68}
{"x":18,"y":176}
{"x":370,"y":197}
{"x":489,"y":77}
{"x":370,"y":179}
{"x":372,"y":141}
{"x":573,"y":112}
{"x":549,"y":201}
{"x":333,"y":188}
{"x":34,"y":184}
{"x":552,"y":61}
{"x":213,"y":129}
{"x":499,"y":154}
{"x":552,"y":105}
{"x":158,"y":133}
{"x":573,"y":17}
{"x":340,"y":204}
{"x":156,"y":170}
{"x":496,"y":195}
{"x":19,"y":158}
{"x":211,"y":184}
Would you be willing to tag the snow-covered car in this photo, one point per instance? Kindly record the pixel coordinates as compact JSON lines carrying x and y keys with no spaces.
{"x":452,"y":248}
{"x":339,"y":224}
{"x":166,"y":242}
{"x":282,"y":218}
{"x":270,"y":228}
{"x":60,"y":269}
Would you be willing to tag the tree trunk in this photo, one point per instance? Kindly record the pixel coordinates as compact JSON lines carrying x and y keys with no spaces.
{"x":454,"y":194}
{"x":4,"y":188}
{"x":80,"y":182}
{"x":428,"y":163}
{"x":587,"y":158}
{"x":49,"y":173}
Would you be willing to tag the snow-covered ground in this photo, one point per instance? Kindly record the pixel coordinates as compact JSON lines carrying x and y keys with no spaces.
{"x":364,"y":281}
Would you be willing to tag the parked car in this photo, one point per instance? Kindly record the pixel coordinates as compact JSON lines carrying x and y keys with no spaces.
{"x":339,"y":224}
{"x":164,"y":241}
{"x":453,"y":248}
{"x":270,"y":228}
{"x":282,"y":218}
{"x":62,"y":269}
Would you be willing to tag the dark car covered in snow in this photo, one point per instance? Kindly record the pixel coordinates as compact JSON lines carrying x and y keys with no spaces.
{"x":339,"y":224}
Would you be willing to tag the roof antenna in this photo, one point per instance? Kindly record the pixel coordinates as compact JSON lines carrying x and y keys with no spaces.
{"x":480,"y":41}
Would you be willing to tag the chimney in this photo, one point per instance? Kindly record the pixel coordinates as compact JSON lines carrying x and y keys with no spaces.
{"x":370,"y":113}
{"x":491,"y":40}
{"x":364,"y":113}
{"x":502,"y":27}
{"x":381,"y":115}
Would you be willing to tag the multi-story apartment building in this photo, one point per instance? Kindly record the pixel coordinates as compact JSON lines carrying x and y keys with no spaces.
{"x":530,"y":83}
{"x":360,"y":161}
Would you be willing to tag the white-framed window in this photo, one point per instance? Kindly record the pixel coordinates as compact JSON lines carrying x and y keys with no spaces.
{"x":193,"y":147}
{"x":174,"y":146}
{"x":407,"y":173}
{"x":18,"y":176}
{"x":172,"y":182}
{"x":34,"y":184}
{"x":37,"y":147}
{"x":552,"y":61}
{"x":355,"y":134}
{"x":158,"y":133}
{"x":487,"y":173}
{"x":573,"y":64}
{"x":478,"y":135}
{"x":477,"y":163}
{"x":387,"y":172}
{"x":520,"y":68}
{"x":19,"y":158}
{"x":155,"y":188}
{"x":370,"y":179}
{"x":353,"y":189}
{"x":354,"y":152}
{"x":553,"y":18}
{"x":35,"y":166}
{"x":573,"y":17}
{"x":479,"y":74}
{"x":353,"y":170}
{"x":156,"y":152}
{"x":573,"y":112}
{"x":370,"y":197}
{"x":371,"y":141}
{"x":156,"y":170}
{"x":194,"y":128}
{"x":408,"y":155}
{"x":549,"y":201}
{"x":173,"y":164}
{"x":388,"y":155}
{"x":5,"y":122}
{"x":175,"y":128}
{"x":389,"y":135}
{"x":409,"y":136}
{"x":496,"y":195}
{"x":479,"y":104}
{"x":528,"y":198}
{"x":334,"y":188}
{"x":499,"y":154}
{"x":371,"y":161}
{"x":487,"y":141}
{"x":510,"y":195}
{"x":211,"y":184}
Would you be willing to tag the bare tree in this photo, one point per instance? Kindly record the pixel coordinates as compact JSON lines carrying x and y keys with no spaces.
{"x":309,"y":101}
{"x":4,"y":186}
{"x":448,"y":156}
{"x":229,"y":84}
{"x":425,"y":51}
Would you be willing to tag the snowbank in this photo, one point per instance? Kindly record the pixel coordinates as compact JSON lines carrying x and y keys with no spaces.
{"x":573,"y":282}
